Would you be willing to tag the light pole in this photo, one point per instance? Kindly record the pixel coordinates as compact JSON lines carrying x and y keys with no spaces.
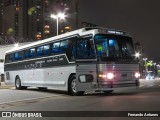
{"x":154,"y":67}
{"x":57,"y":17}
{"x":145,"y":59}
{"x":151,"y":62}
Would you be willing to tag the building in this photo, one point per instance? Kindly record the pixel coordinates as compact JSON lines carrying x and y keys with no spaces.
{"x":10,"y":18}
{"x":30,"y":19}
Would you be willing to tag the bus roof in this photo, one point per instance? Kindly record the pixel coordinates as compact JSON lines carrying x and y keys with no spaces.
{"x":79,"y":32}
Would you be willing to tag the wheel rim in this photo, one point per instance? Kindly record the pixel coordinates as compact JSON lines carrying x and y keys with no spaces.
{"x":73,"y":85}
{"x":17,"y":83}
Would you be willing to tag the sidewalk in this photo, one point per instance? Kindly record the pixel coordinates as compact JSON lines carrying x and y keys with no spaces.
{"x":4,"y":86}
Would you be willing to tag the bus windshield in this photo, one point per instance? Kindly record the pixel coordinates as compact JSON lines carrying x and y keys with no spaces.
{"x":114,"y":47}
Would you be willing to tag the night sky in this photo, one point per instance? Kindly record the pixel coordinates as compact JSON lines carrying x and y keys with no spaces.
{"x":141,"y":18}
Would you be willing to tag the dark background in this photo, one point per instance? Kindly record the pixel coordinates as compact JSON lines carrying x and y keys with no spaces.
{"x":141,"y":18}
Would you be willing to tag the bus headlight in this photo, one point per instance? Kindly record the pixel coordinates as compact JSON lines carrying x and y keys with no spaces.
{"x":137,"y":75}
{"x":108,"y":76}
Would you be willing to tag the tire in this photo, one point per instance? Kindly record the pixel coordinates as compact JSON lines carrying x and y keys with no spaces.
{"x":18,"y":84}
{"x":108,"y":91}
{"x":72,"y":87}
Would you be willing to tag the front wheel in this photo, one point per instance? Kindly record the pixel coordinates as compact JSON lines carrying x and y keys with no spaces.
{"x":18,"y":84}
{"x":72,"y":87}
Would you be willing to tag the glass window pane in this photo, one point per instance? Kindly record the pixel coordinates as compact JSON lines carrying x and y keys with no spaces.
{"x":71,"y":51}
{"x":55,"y":47}
{"x":18,"y":56}
{"x":7,"y":59}
{"x":46,"y":49}
{"x":40,"y":51}
{"x":64,"y":46}
{"x":102,"y":47}
{"x":11,"y":57}
{"x":113,"y":48}
{"x":110,"y":47}
{"x":27,"y":54}
{"x":85,"y":49}
{"x":32,"y":52}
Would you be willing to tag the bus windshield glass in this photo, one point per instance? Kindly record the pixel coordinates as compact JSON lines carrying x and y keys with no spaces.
{"x":114,"y":47}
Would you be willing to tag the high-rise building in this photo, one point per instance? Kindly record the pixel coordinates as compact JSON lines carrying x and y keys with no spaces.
{"x":31,"y":19}
{"x":10,"y":18}
{"x":1,"y":17}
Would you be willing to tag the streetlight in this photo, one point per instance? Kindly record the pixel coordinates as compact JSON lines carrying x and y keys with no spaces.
{"x":137,"y":55}
{"x":57,"y":17}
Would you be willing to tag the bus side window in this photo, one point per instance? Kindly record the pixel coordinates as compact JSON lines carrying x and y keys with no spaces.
{"x":85,"y":49}
{"x":7,"y":59}
{"x":26,"y":54}
{"x":46,"y":49}
{"x":71,"y":51}
{"x":64,"y":46}
{"x":18,"y":55}
{"x":55,"y":48}
{"x":11,"y":57}
{"x":39,"y":51}
{"x":32,"y":53}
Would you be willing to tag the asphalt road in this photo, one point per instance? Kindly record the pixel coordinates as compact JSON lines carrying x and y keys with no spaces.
{"x":144,"y":98}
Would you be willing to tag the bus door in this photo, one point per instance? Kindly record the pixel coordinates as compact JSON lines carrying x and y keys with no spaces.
{"x":86,"y":68}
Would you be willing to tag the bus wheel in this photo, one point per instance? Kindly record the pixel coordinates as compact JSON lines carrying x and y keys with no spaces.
{"x":72,"y":87}
{"x":18,"y":84}
{"x":108,"y":91}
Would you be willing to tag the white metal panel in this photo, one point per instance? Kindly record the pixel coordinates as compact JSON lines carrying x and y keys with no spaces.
{"x":56,"y":77}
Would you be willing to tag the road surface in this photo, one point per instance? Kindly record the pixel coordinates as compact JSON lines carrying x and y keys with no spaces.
{"x":144,"y":98}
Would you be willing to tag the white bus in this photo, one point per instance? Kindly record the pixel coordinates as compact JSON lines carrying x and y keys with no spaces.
{"x":88,"y":59}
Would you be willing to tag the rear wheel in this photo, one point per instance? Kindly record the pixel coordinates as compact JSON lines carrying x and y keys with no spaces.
{"x":18,"y":84}
{"x":72,"y":87}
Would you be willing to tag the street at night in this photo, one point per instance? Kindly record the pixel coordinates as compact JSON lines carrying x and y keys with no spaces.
{"x":144,"y":98}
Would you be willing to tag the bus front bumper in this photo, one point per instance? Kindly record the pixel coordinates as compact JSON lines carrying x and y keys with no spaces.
{"x":118,"y":85}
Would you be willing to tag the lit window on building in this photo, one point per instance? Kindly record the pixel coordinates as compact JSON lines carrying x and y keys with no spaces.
{"x":67,"y":29}
{"x":46,"y":26}
{"x":17,"y":9}
{"x":38,"y":37}
{"x":46,"y":31}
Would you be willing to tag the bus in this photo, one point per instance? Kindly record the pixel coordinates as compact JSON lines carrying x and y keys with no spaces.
{"x":88,"y":59}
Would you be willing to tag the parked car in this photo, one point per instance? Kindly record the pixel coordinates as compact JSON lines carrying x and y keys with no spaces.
{"x":150,"y":75}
